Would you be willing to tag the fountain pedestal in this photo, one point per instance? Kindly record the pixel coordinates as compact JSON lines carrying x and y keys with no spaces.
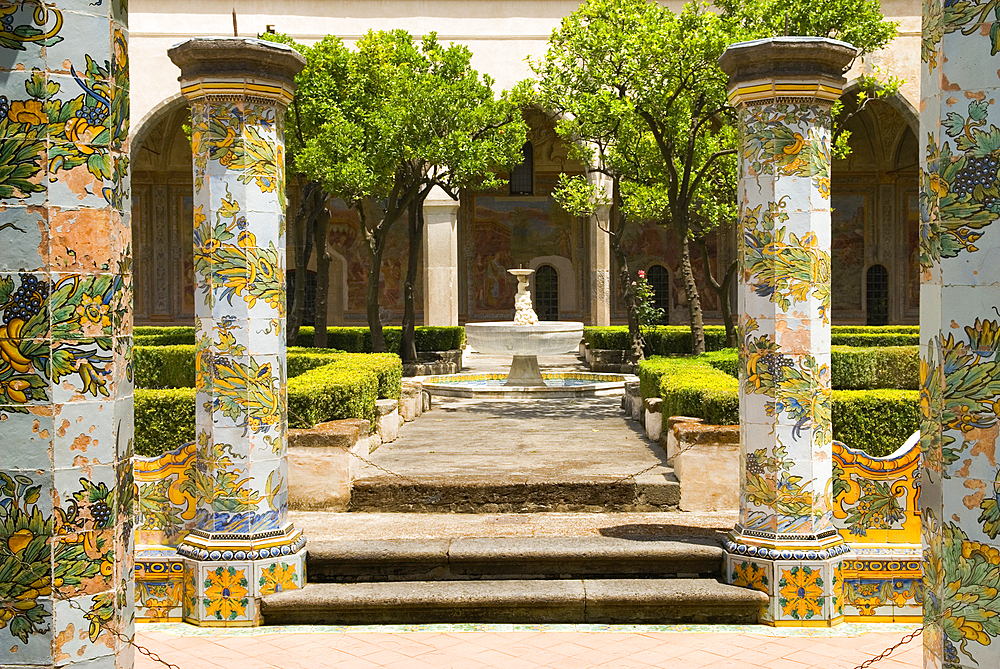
{"x":525,"y":339}
{"x":524,"y":371}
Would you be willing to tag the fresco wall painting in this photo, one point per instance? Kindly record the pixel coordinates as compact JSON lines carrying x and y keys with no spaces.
{"x":506,"y":232}
{"x":66,"y":490}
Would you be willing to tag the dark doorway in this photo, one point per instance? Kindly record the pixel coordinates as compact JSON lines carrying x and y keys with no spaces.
{"x":877,"y":295}
{"x":659,"y":280}
{"x":547,"y":293}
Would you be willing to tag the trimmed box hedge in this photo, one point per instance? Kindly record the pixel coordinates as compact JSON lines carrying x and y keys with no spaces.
{"x":163,"y":366}
{"x":173,"y":366}
{"x":350,"y":339}
{"x":852,"y":368}
{"x":875,"y":420}
{"x":359,"y":339}
{"x":677,"y":340}
{"x":322,"y":386}
{"x":867,"y":368}
{"x":164,"y":419}
{"x":691,"y":387}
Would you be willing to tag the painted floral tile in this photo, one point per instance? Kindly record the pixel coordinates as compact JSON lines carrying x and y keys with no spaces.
{"x":803,"y":591}
{"x":224,"y":592}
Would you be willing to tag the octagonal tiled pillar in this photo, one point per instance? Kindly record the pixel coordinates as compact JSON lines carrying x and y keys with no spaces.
{"x":238,"y":90}
{"x":66,"y":490}
{"x":785,"y":543}
{"x":960,"y":335}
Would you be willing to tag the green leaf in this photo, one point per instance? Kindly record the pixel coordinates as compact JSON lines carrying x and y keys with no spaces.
{"x":6,"y":288}
{"x":978,"y":109}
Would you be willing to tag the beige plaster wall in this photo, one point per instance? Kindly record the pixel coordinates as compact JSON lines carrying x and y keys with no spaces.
{"x":501,"y":33}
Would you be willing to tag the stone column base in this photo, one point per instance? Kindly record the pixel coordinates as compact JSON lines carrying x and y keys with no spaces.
{"x":803,"y":580}
{"x":226,"y":575}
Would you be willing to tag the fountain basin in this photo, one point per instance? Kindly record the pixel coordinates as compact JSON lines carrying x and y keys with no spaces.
{"x":506,"y":338}
{"x":555,"y":385}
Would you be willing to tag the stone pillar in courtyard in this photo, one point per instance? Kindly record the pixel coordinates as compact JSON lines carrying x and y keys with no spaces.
{"x":784,"y":542}
{"x":600,"y":259}
{"x":960,"y":336}
{"x":66,"y":487}
{"x":244,"y":547}
{"x":440,"y":259}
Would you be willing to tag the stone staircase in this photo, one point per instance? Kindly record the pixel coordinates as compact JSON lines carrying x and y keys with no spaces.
{"x":653,"y":491}
{"x":514,"y":580}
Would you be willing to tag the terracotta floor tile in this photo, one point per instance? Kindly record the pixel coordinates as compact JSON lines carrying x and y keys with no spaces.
{"x":571,"y":663}
{"x":785,"y":663}
{"x":626,"y":663}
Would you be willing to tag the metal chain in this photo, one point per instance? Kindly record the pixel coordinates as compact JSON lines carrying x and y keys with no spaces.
{"x":639,"y":473}
{"x":129,"y":640}
{"x":888,"y":651}
{"x":384,"y":470}
{"x":73,"y":604}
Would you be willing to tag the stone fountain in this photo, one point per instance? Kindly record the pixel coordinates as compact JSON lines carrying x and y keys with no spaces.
{"x":525,"y":338}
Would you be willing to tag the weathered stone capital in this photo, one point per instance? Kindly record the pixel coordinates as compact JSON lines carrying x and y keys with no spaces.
{"x":797,"y":68}
{"x":233,"y":68}
{"x":439,"y":200}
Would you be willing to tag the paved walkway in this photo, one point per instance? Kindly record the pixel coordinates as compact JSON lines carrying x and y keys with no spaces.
{"x":526,"y":647}
{"x":521,"y":442}
{"x":518,"y":441}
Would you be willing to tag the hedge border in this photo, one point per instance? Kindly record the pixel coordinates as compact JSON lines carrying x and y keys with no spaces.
{"x":353,"y":339}
{"x":330,"y":385}
{"x":877,"y":421}
{"x":677,"y":340}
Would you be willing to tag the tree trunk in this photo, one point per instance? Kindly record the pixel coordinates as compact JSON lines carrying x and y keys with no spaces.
{"x":415,"y":222}
{"x":302,"y":239}
{"x":693,"y":299}
{"x":320,"y":232}
{"x":617,"y":225}
{"x":727,"y":307}
{"x":375,"y":231}
{"x":374,"y":276}
{"x":721,"y":291}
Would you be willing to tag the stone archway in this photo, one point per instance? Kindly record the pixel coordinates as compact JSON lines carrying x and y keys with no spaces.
{"x":162,"y":210}
{"x":876,"y":217}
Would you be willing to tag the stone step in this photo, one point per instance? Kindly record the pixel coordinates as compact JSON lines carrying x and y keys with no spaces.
{"x":485,"y":495}
{"x":474,"y":558}
{"x":620,"y":601}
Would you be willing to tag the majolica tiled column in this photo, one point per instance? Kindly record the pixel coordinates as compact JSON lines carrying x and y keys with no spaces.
{"x":785,"y":543}
{"x":66,"y":491}
{"x":960,"y":336}
{"x":245,"y":547}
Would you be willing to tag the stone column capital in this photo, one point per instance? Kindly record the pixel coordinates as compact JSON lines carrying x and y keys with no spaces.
{"x":439,"y":200}
{"x":796,"y":69}
{"x":234,"y":68}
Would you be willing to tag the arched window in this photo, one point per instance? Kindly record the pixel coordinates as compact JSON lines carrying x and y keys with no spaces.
{"x":547,"y":293}
{"x":877,"y":295}
{"x":309,"y":313}
{"x":522,"y":175}
{"x":659,"y":280}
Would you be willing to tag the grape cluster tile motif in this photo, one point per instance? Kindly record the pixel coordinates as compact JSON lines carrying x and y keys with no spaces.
{"x":960,"y":334}
{"x":785,"y":542}
{"x":234,"y":491}
{"x":66,"y":482}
